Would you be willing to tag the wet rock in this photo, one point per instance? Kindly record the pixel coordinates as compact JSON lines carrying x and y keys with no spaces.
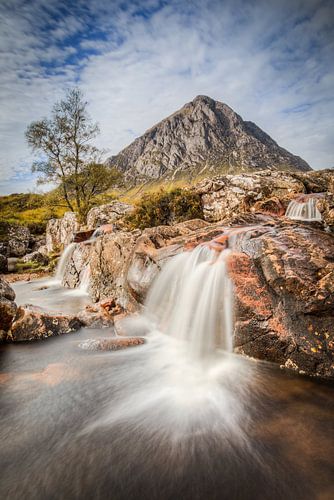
{"x":111,"y":344}
{"x":18,"y":241}
{"x":8,"y":308}
{"x":109,"y":261}
{"x":124,"y":264}
{"x":76,"y":265}
{"x":96,"y":316}
{"x":107,"y":214}
{"x":81,"y":236}
{"x":285,"y":297}
{"x":32,"y":323}
{"x":59,"y":232}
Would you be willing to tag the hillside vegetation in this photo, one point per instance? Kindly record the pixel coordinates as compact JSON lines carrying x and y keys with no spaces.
{"x":31,"y":210}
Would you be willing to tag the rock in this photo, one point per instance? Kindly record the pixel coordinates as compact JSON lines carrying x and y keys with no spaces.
{"x":18,"y":241}
{"x":264,"y":191}
{"x":38,"y":257}
{"x":318,"y":181}
{"x":3,"y":264}
{"x":6,"y":290}
{"x":81,"y":236}
{"x":123,"y":264}
{"x":32,"y":323}
{"x":8,"y":308}
{"x":43,"y":250}
{"x":284,"y":287}
{"x":325,"y":205}
{"x":3,"y":248}
{"x":59,"y":232}
{"x":37,"y":242}
{"x":204,"y":136}
{"x":76,"y":265}
{"x":96,"y":317}
{"x":283,"y":274}
{"x":109,"y":261}
{"x":111,"y":344}
{"x":107,"y":214}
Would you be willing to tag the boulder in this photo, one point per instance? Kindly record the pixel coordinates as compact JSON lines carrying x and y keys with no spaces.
{"x":95,"y":316}
{"x":3,"y":264}
{"x":107,"y":214}
{"x":284,"y":291}
{"x":37,"y":257}
{"x":32,"y":323}
{"x":37,"y":242}
{"x":18,"y":241}
{"x":8,"y":308}
{"x":59,"y":232}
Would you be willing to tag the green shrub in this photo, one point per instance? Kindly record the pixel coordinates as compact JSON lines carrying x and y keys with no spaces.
{"x":164,"y":208}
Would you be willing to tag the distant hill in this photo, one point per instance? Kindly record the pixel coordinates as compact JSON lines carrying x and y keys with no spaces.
{"x":202,"y":137}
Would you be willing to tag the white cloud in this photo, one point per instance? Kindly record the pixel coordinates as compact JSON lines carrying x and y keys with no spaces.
{"x":270,"y":61}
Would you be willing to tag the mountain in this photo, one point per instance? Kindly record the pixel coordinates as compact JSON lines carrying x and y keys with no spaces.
{"x":202,"y":137}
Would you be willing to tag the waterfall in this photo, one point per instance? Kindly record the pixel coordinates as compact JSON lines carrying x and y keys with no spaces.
{"x":303,"y":210}
{"x":192,"y":300}
{"x":84,"y":280}
{"x":63,"y":261}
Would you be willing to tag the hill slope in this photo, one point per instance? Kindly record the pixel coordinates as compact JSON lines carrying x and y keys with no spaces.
{"x":204,"y":136}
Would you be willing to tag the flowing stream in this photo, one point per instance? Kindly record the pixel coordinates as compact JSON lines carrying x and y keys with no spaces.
{"x":180,"y":417}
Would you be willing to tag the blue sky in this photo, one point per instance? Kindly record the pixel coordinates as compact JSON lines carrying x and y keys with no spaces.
{"x":139,"y":61}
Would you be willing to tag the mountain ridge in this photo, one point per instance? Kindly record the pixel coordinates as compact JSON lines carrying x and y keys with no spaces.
{"x":203,"y":136}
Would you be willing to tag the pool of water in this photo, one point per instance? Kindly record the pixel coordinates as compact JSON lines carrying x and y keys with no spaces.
{"x":50,"y":295}
{"x":151,"y":422}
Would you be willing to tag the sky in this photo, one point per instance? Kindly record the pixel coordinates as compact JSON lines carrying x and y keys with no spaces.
{"x":139,"y":61}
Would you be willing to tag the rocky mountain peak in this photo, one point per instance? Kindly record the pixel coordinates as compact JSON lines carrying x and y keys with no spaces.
{"x":204,"y":136}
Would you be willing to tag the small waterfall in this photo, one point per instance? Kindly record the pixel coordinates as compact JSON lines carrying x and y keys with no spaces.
{"x":305,"y":210}
{"x":192,"y":300}
{"x":84,"y":280}
{"x":63,"y":261}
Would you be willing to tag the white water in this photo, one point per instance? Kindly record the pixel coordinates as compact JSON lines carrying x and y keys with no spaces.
{"x":191,"y":301}
{"x":84,"y":280}
{"x":63,"y":261}
{"x":306,"y":211}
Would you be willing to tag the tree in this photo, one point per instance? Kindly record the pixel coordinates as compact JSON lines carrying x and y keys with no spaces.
{"x":68,"y":157}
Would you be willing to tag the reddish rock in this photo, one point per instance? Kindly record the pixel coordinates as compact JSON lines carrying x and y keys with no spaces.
{"x":95,"y":316}
{"x":284,"y":287}
{"x":32,"y":323}
{"x":81,"y":236}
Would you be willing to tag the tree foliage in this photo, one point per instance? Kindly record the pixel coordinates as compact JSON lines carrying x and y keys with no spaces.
{"x":68,"y":157}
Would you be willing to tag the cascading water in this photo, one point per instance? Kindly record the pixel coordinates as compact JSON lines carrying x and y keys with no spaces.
{"x":192,"y":300}
{"x":63,"y":261}
{"x":84,"y":280}
{"x":303,"y":210}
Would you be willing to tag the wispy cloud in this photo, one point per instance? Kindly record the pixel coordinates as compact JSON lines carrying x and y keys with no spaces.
{"x":139,"y":61}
